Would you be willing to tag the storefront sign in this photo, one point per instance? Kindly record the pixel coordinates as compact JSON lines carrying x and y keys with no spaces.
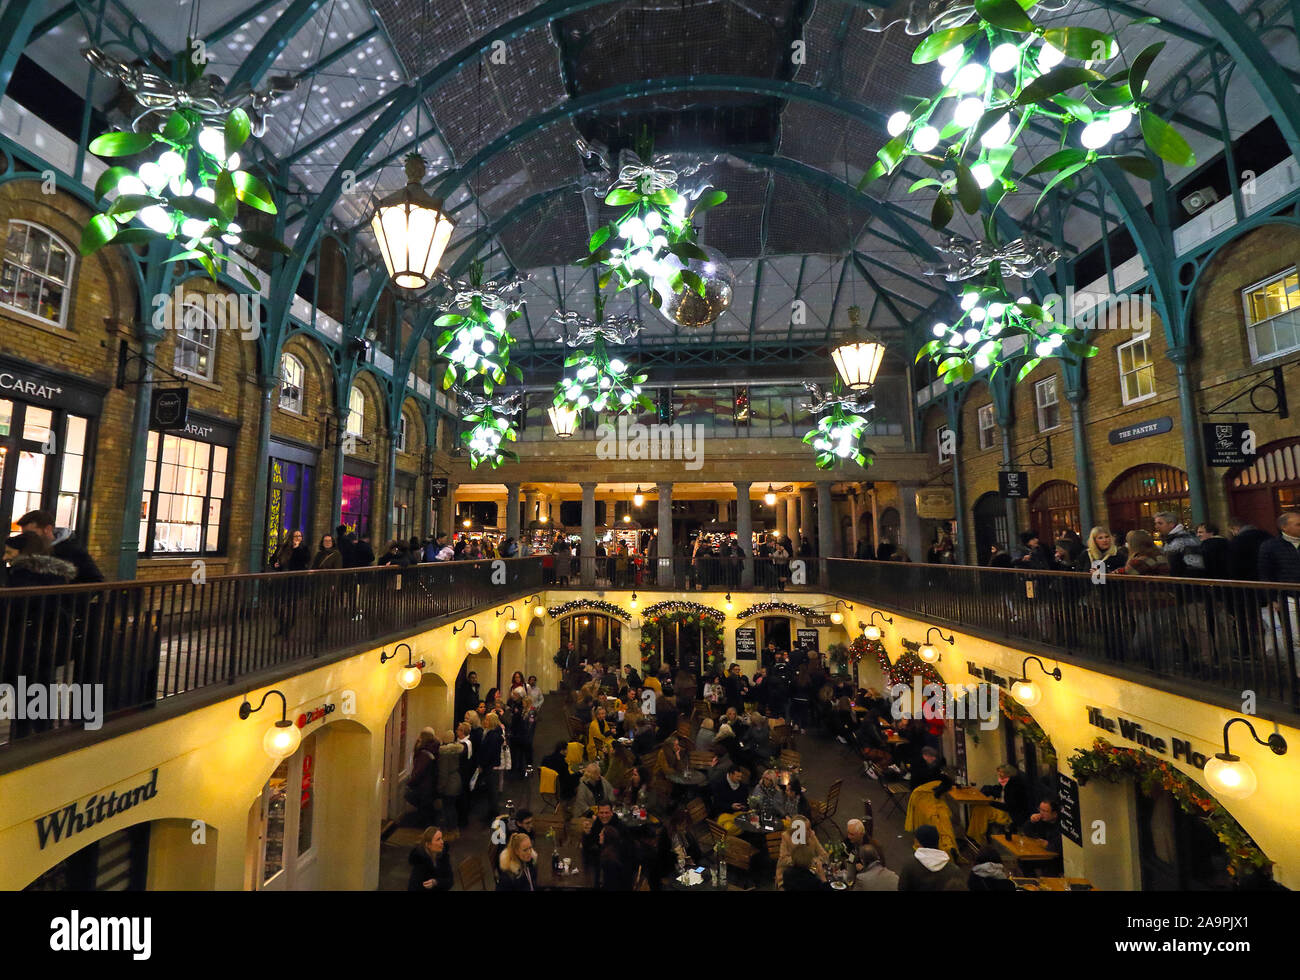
{"x":817,"y":620}
{"x":1133,"y":732}
{"x":987,"y":674}
{"x":169,"y":409}
{"x":746,"y":643}
{"x":1013,"y":484}
{"x":76,"y":817}
{"x":206,"y":428}
{"x":315,"y":715}
{"x":1141,"y":431}
{"x":29,"y":383}
{"x":807,"y":639}
{"x":438,"y":487}
{"x":1067,"y":794}
{"x":935,"y":504}
{"x":1225,"y":443}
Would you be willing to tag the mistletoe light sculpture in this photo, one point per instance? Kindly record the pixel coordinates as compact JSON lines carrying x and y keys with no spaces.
{"x":1002,"y":73}
{"x":493,"y":426}
{"x":478,"y":340}
{"x":838,"y":433}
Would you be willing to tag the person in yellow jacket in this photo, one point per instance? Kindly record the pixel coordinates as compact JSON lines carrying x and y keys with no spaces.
{"x":926,"y":805}
{"x":600,"y":735}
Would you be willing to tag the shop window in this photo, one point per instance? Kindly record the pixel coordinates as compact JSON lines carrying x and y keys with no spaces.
{"x":355,"y":506}
{"x":292,"y":376}
{"x":1137,"y":374}
{"x":403,"y":511}
{"x":1272,"y":321}
{"x":1048,"y":403}
{"x":184,"y":496}
{"x":356,"y":412}
{"x":988,"y":425}
{"x":47,"y":472}
{"x":288,"y":502}
{"x":399,"y":437}
{"x":36,"y":273}
{"x":196,"y":342}
{"x":74,"y":460}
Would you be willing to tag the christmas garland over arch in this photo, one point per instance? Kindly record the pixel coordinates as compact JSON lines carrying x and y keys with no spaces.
{"x":590,"y":605}
{"x":1112,"y":763}
{"x":1026,"y":726}
{"x":904,"y":669}
{"x":759,"y":608}
{"x":663,"y":614}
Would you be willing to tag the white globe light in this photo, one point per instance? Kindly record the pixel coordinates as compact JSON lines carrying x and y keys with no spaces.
{"x":988,"y":349}
{"x":498,"y":319}
{"x":972,"y":336}
{"x":157,"y":218}
{"x":1049,"y":57}
{"x":996,"y":310}
{"x":281,"y":740}
{"x":1055,"y":340}
{"x":872,"y":632}
{"x":955,"y":339}
{"x":971,"y":77}
{"x":926,"y":139}
{"x":153,"y":175}
{"x":1230,"y":778}
{"x":997,"y":135}
{"x":1096,"y":134}
{"x":979,"y":314}
{"x":981,"y":362}
{"x":408,"y":678}
{"x":968,"y":112}
{"x":487,"y":346}
{"x":172,"y":163}
{"x":653,"y":220}
{"x":512,"y":626}
{"x":233,"y":162}
{"x":617,"y":366}
{"x":632,"y":228}
{"x":1004,"y":58}
{"x":1120,"y":120}
{"x":898,"y":123}
{"x":947,"y":75}
{"x":206,"y":194}
{"x":1044,"y":349}
{"x":131,"y":184}
{"x":1026,"y":692}
{"x":940,"y":329}
{"x":983,"y":175}
{"x":969,"y":300}
{"x":193,"y":227}
{"x":952,"y":56}
{"x":212,"y":141}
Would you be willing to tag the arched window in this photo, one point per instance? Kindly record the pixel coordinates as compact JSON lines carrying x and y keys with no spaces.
{"x":399,"y":437}
{"x":356,"y":412}
{"x":291,"y":383}
{"x":196,"y":342}
{"x":36,"y":275}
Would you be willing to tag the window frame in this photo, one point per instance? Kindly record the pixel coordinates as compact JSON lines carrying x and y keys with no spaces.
{"x":990,"y":412}
{"x":1123,"y":377}
{"x":284,"y":383}
{"x":1252,"y":325}
{"x":70,"y":273}
{"x":358,"y":410}
{"x":401,"y":435}
{"x":1039,"y":404}
{"x":181,"y":328}
{"x":152,"y":479}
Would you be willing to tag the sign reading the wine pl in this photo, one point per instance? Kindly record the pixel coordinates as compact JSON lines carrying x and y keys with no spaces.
{"x":1067,"y":791}
{"x":746,"y":643}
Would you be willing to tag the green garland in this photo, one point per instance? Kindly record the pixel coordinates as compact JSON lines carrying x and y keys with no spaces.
{"x":590,"y":605}
{"x":760,"y":608}
{"x":1111,"y":763}
{"x":1026,"y":726}
{"x":663,"y":614}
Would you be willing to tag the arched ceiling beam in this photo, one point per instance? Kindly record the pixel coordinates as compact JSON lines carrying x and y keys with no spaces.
{"x":259,"y":61}
{"x":16,"y":24}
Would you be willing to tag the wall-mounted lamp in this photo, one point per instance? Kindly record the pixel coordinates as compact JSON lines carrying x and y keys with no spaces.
{"x":1228,"y":775}
{"x":870,"y":630}
{"x":512,"y":624}
{"x":928,"y":652}
{"x":837,"y":617}
{"x":1026,"y":691}
{"x":632,"y":601}
{"x":409,"y":677}
{"x":281,"y":739}
{"x":474,"y":643}
{"x":728,"y":604}
{"x":535,"y":601}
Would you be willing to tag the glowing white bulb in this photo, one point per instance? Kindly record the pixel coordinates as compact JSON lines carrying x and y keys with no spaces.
{"x":498,"y":319}
{"x":583,"y":401}
{"x":1044,"y":349}
{"x":212,"y":141}
{"x":981,"y":362}
{"x":988,"y":349}
{"x":1096,"y":134}
{"x":1055,"y":341}
{"x":978,"y":314}
{"x":968,"y":112}
{"x":969,"y":300}
{"x":653,"y":220}
{"x":193,"y":227}
{"x":954,"y":339}
{"x":206,"y":194}
{"x":131,"y":184}
{"x":1120,"y":120}
{"x":926,"y":139}
{"x":659,"y":242}
{"x":971,"y":77}
{"x":999,"y":134}
{"x":940,"y":329}
{"x":153,"y":176}
{"x":983,"y":175}
{"x":1049,"y":57}
{"x":952,"y":56}
{"x":972,"y":336}
{"x":1004,"y":58}
{"x":487,"y":346}
{"x":172,"y":163}
{"x":946,"y":77}
{"x":617,"y":366}
{"x":898,"y":123}
{"x":157,"y":218}
{"x":996,"y":310}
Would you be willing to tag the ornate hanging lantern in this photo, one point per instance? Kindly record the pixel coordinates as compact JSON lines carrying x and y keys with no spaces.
{"x":412,"y":229}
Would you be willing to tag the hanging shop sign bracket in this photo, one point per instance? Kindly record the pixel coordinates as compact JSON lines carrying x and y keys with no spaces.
{"x":126,"y":357}
{"x":1040,"y":455}
{"x":1266,"y":397}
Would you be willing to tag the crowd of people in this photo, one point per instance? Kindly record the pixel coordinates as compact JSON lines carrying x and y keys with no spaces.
{"x":348,"y":549}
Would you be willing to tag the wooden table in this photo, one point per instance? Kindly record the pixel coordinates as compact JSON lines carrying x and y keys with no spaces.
{"x":967,"y":796}
{"x":1024,"y":848}
{"x":547,"y":878}
{"x":1051,"y":884}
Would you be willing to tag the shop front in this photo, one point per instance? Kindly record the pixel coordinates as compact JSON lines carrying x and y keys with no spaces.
{"x":291,"y":487}
{"x":1137,"y":495}
{"x":1270,"y":485}
{"x":357,"y":496}
{"x":188,"y":477}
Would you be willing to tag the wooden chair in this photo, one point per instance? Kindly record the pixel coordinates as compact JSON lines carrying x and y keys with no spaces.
{"x":702,"y":761}
{"x":548,"y":788}
{"x":773,"y":841}
{"x":896,"y":791}
{"x":739,"y":855}
{"x":790,"y":759}
{"x":716,"y":831}
{"x":685,"y":729}
{"x":823,"y":811}
{"x":779,"y":731}
{"x":577,"y":730}
{"x":575,"y":752}
{"x":470,"y":873}
{"x":697,"y":811}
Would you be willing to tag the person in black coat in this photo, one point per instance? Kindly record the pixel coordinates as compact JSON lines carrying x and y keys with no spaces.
{"x":802,"y":875}
{"x":1214,"y":551}
{"x":489,"y":758}
{"x":358,"y":553}
{"x":62,"y":545}
{"x":467,"y":698}
{"x":928,"y":768}
{"x":396,"y":554}
{"x":1010,"y":796}
{"x":566,"y":781}
{"x":1279,"y":558}
{"x":730,"y":794}
{"x":1243,"y":550}
{"x":430,"y":864}
{"x":736,"y":689}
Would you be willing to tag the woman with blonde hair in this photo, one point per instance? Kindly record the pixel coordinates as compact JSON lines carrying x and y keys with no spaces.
{"x":1103,"y":549}
{"x":600,"y":734}
{"x":1145,"y":556}
{"x":492,"y":762}
{"x":517,"y":865}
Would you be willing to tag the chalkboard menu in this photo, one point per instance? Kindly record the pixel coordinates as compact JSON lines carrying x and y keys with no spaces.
{"x":959,"y":747}
{"x":746,"y":643}
{"x":807,"y":639}
{"x":1071,"y":820}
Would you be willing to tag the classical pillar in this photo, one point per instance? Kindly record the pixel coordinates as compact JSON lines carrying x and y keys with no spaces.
{"x":1082,"y":464}
{"x":791,"y":505}
{"x":1191,"y":437}
{"x":588,"y":533}
{"x":664,"y":545}
{"x":531,"y":512}
{"x":826,"y":545}
{"x":446,"y":513}
{"x":131,"y":543}
{"x":512,"y":511}
{"x":806,"y":527}
{"x":910,"y":522}
{"x":781,"y":508}
{"x":853,"y":515}
{"x":745,"y":532}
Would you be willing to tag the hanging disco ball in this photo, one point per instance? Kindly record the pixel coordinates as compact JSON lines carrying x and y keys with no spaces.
{"x":688,"y":308}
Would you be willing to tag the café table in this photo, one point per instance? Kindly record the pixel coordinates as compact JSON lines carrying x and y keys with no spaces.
{"x":1053,"y":884}
{"x":967,"y":797}
{"x":689,"y":777}
{"x":709,"y":884}
{"x":579,"y":878}
{"x":1026,"y":850}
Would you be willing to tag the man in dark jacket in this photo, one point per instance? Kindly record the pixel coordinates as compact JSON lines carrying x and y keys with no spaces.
{"x":1181,"y":546}
{"x":1010,"y":796}
{"x":736,"y":687}
{"x":1214,"y":549}
{"x":730,"y":794}
{"x":430,"y":864}
{"x":930,"y":869}
{"x":467,"y":698}
{"x":1243,"y":550}
{"x":1279,"y":558}
{"x":62,"y":544}
{"x":360,"y":554}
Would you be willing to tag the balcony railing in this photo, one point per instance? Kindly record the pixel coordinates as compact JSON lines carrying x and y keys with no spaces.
{"x":146,"y":642}
{"x":1228,"y":637}
{"x":710,"y":574}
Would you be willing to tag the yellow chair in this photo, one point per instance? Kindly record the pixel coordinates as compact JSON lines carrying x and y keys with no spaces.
{"x":923,"y":807}
{"x":548,"y":787}
{"x":574,"y":754}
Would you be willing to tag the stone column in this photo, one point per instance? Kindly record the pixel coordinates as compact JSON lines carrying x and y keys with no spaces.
{"x":791,"y":505}
{"x":827,"y":545}
{"x":853,"y":515}
{"x":745,"y":532}
{"x":910,"y":522}
{"x":806,"y":526}
{"x":664,"y":546}
{"x":781,"y":509}
{"x":531,"y":512}
{"x":512,"y":511}
{"x":588,"y":533}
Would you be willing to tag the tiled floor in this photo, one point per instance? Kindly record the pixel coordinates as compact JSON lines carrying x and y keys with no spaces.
{"x":824,"y":760}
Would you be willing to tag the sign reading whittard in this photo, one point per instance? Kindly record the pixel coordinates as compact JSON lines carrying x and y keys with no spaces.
{"x":76,"y":817}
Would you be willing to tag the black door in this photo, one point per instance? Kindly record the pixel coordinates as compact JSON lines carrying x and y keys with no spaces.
{"x":776,"y":629}
{"x":1177,"y":851}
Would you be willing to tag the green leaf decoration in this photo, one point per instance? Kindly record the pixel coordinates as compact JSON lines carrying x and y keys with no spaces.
{"x":1139,"y":167}
{"x":1083,"y":43}
{"x":936,"y":44}
{"x":259,"y":239}
{"x":209,"y":266}
{"x":710,"y":200}
{"x":130,"y":203}
{"x":1006,"y":14}
{"x":1166,"y":141}
{"x":185,"y":256}
{"x":968,"y":190}
{"x":253,"y":192}
{"x":120,"y":144}
{"x":1061,"y":79}
{"x":621,"y":195}
{"x":1028,"y":369}
{"x":925,"y":182}
{"x":598,"y":238}
{"x":1060,"y":178}
{"x":134,"y":236}
{"x":942,"y":212}
{"x":1075,"y":107}
{"x":892,"y":153}
{"x":238,"y":129}
{"x":108,"y":180}
{"x":990,"y":119}
{"x":196,"y":207}
{"x":692,"y":280}
{"x":688,"y":250}
{"x":1058,"y":160}
{"x":250,"y":278}
{"x":1113,"y":95}
{"x":1137,"y":72}
{"x":448,"y":320}
{"x":874,"y":172}
{"x":176,"y":128}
